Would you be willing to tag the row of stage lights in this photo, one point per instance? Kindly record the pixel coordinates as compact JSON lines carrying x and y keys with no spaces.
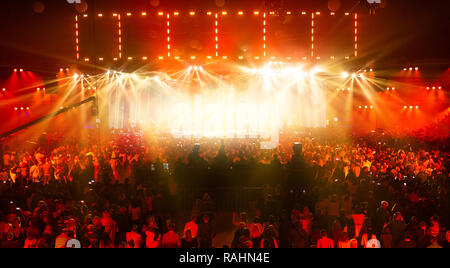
{"x":209,"y":13}
{"x":411,"y":68}
{"x":361,"y":107}
{"x":145,"y":58}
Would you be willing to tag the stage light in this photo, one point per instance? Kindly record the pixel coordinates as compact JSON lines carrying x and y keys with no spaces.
{"x":361,"y":75}
{"x":160,"y":13}
{"x":256,"y":12}
{"x":410,"y":68}
{"x":288,"y":13}
{"x":317,"y":13}
{"x":115,"y":59}
{"x":100,"y":59}
{"x":371,"y":70}
{"x":38,"y":89}
{"x":28,"y":108}
{"x":144,"y":13}
{"x":15,"y":108}
{"x":417,"y":107}
{"x":439,"y":88}
{"x":332,"y":13}
{"x":410,"y":107}
{"x":209,"y":13}
{"x":128,"y":14}
{"x":240,"y":57}
{"x":336,"y":119}
{"x":417,"y":68}
{"x":405,"y":69}
{"x":144,"y":58}
{"x":434,"y":88}
{"x":360,"y":107}
{"x":195,"y":68}
{"x":371,"y":107}
{"x":404,"y":107}
{"x":21,"y":70}
{"x":346,"y":14}
{"x":61,"y":69}
{"x":388,"y":89}
{"x":61,"y":107}
{"x":100,"y":15}
{"x":224,"y":13}
{"x":176,"y":13}
{"x":130,"y":58}
{"x":160,"y":58}
{"x":192,"y":13}
{"x":3,"y":89}
{"x":365,"y":107}
{"x":21,"y":108}
{"x":86,"y":59}
{"x":67,"y":69}
{"x":393,"y":88}
{"x":303,"y":13}
{"x":209,"y":57}
{"x":115,"y":72}
{"x":85,"y":15}
{"x":353,"y":75}
{"x":428,"y":88}
{"x":114,"y":14}
{"x":15,"y":70}
{"x":344,"y":75}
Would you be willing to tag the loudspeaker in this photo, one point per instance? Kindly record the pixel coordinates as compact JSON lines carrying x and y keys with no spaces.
{"x":298,"y":148}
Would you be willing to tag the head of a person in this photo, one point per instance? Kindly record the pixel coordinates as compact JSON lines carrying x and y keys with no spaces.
{"x":323,"y":233}
{"x":171,"y":227}
{"x":205,"y":218}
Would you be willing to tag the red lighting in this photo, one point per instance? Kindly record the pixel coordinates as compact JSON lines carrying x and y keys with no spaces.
{"x":417,"y":68}
{"x":21,"y":70}
{"x":15,"y":70}
{"x":3,"y":89}
{"x":15,"y":108}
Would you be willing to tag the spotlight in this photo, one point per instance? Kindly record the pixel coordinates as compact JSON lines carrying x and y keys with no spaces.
{"x":38,"y":89}
{"x":353,"y":75}
{"x":439,"y":88}
{"x":417,"y":107}
{"x":410,"y":107}
{"x":404,"y":69}
{"x":371,"y":70}
{"x":365,"y":107}
{"x":28,"y":108}
{"x":410,"y":68}
{"x":360,"y":107}
{"x":417,"y":68}
{"x":61,"y":70}
{"x":404,"y":107}
{"x":344,"y":75}
{"x":15,"y":70}
{"x":371,"y":107}
{"x":21,"y":108}
{"x":21,"y":70}
{"x":15,"y":108}
{"x":3,"y":89}
{"x":361,"y":75}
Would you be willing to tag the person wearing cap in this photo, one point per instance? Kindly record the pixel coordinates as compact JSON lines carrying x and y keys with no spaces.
{"x":381,"y":217}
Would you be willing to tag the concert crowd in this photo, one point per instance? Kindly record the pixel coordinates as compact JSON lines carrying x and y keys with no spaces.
{"x":314,"y":190}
